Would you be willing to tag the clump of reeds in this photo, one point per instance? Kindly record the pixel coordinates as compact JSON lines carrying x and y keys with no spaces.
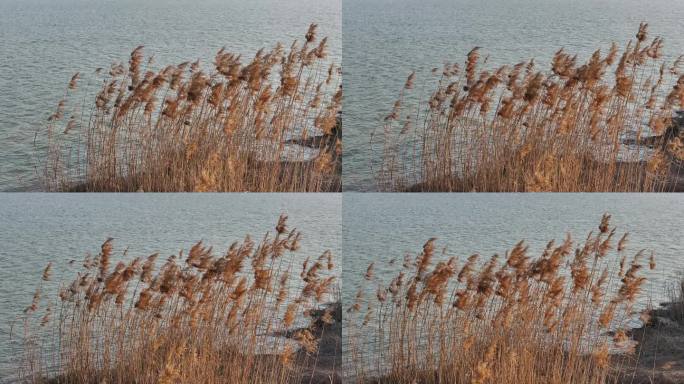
{"x":196,"y":318}
{"x":270,"y":124}
{"x":675,"y":304}
{"x":556,"y":318}
{"x":603,"y":125}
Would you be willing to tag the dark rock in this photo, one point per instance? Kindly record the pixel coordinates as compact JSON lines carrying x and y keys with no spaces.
{"x":326,"y":141}
{"x":324,"y":368}
{"x":676,"y":129}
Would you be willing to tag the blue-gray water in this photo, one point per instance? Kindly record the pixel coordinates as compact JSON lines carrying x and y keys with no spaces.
{"x":381,"y":227}
{"x":44,"y":42}
{"x":384,"y":40}
{"x":38,"y":228}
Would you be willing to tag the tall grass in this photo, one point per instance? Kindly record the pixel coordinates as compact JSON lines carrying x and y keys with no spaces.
{"x":235,"y":128}
{"x":675,"y":294}
{"x":512,"y":319}
{"x":198,"y":318}
{"x":577,"y":127}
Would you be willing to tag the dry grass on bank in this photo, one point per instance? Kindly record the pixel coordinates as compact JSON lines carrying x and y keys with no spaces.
{"x":198,"y":318}
{"x":661,"y":342}
{"x":515,"y":319}
{"x":579,"y":127}
{"x":181,"y":129}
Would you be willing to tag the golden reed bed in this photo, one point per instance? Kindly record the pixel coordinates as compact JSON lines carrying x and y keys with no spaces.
{"x":268,"y":125}
{"x":604,"y":125}
{"x":197,"y":318}
{"x":511,"y":319}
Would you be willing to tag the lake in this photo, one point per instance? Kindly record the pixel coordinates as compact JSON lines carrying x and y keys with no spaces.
{"x":44,"y":42}
{"x":38,"y":228}
{"x":379,"y":227}
{"x":384,"y":40}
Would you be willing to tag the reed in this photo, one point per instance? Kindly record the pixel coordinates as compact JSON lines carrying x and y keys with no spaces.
{"x":233,"y":318}
{"x":675,"y":294}
{"x":604,"y":125}
{"x":557,"y":318}
{"x":270,"y":125}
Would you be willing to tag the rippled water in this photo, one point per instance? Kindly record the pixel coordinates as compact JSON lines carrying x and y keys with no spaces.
{"x":44,"y":42}
{"x":38,"y":228}
{"x":384,"y":40}
{"x":381,"y":227}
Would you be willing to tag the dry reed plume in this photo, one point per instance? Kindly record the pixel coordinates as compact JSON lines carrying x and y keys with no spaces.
{"x":515,"y":319}
{"x":269,"y":125}
{"x":579,"y":127}
{"x":198,"y":318}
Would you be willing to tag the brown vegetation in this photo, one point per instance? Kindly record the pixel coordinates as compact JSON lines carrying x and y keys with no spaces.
{"x":661,"y":343}
{"x":181,"y":129}
{"x":515,"y":319}
{"x":198,"y":318}
{"x":579,"y":127}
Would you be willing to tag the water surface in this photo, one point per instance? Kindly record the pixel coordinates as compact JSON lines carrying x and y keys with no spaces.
{"x":384,"y":40}
{"x":381,"y":227}
{"x":44,"y":42}
{"x":38,"y":228}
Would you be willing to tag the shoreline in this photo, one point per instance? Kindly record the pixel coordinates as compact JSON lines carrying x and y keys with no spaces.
{"x":659,"y":349}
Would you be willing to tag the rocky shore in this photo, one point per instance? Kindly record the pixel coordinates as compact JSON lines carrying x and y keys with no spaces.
{"x":322,"y":367}
{"x":325,"y":368}
{"x":660,"y":348}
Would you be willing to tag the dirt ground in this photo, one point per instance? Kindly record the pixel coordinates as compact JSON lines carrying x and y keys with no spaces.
{"x":660,"y":351}
{"x":324,"y":367}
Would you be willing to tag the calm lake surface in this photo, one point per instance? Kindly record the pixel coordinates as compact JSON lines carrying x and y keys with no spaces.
{"x":38,"y":228}
{"x":384,"y":40}
{"x":44,"y":42}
